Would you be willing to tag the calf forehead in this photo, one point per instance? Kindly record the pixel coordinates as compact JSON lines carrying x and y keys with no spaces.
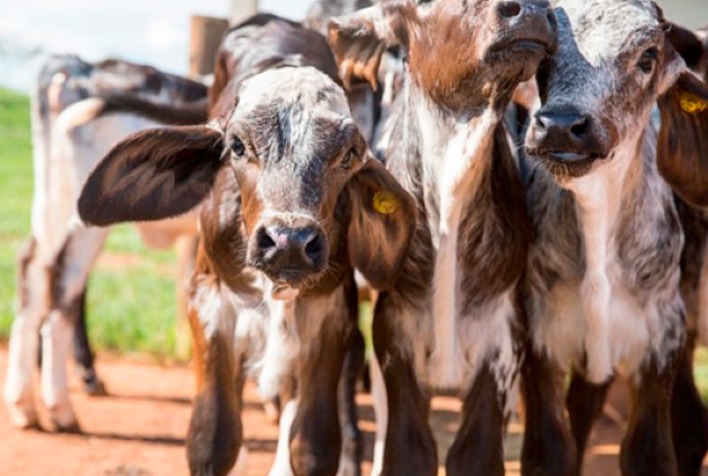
{"x":293,"y":113}
{"x":602,"y":30}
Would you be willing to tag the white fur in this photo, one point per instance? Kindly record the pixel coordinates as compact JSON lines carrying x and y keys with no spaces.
{"x":454,"y":154}
{"x":378,"y":394}
{"x":280,"y":350}
{"x":281,"y":465}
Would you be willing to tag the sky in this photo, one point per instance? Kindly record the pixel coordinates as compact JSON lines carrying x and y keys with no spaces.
{"x":155,"y":32}
{"x":144,"y":31}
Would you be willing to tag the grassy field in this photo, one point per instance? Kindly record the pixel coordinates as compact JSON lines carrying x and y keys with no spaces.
{"x":131,"y":307}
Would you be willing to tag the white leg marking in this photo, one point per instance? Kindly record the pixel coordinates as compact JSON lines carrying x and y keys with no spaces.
{"x":56,"y":343}
{"x":281,"y":466}
{"x":23,"y":348}
{"x":378,"y":393}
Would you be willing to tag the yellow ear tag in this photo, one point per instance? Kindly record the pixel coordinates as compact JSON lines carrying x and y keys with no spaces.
{"x":692,"y":104}
{"x":385,"y":202}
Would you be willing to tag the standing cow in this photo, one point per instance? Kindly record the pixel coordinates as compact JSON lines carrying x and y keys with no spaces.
{"x":451,"y":321}
{"x":603,"y":269}
{"x":69,"y":138}
{"x":291,"y":200}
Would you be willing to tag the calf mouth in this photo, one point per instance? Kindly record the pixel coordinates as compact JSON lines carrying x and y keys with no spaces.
{"x":520,"y":45}
{"x":564,"y":163}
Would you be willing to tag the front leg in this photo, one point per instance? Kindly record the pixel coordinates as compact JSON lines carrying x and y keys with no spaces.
{"x":215,"y":431}
{"x":478,"y":447}
{"x":584,"y":402}
{"x":409,"y":447}
{"x":352,"y":440}
{"x":689,"y":417}
{"x":315,"y":435}
{"x":325,"y":326}
{"x":647,"y":448}
{"x":548,"y":448}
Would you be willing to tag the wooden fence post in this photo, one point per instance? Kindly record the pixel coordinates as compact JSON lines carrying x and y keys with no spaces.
{"x":205,"y":36}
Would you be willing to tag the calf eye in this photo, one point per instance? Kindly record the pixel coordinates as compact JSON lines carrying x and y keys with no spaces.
{"x":424,"y":2}
{"x":237,"y":147}
{"x":347,"y":160}
{"x":647,"y":60}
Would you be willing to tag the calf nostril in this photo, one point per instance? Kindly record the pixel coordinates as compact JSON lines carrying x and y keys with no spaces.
{"x":509,"y":9}
{"x":313,"y":248}
{"x":264,"y":240}
{"x":580,"y":127}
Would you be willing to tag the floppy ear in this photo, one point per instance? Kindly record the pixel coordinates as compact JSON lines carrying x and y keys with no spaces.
{"x":358,"y":41}
{"x":682,"y":149}
{"x":152,"y":175}
{"x":686,"y":43}
{"x":383,"y":219}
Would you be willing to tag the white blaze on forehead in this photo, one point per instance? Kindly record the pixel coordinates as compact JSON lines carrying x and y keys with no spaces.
{"x":288,"y":85}
{"x":604,"y":29}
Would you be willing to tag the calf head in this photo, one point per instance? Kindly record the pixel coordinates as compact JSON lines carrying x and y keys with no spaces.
{"x":455,"y":49}
{"x":289,"y":184}
{"x":613,"y":62}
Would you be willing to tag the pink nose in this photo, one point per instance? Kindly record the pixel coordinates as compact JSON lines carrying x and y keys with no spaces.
{"x":281,"y":241}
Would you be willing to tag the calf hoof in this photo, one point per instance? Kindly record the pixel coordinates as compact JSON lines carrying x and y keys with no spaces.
{"x":23,"y":416}
{"x":70,"y":428}
{"x":95,"y":387}
{"x":63,"y":420}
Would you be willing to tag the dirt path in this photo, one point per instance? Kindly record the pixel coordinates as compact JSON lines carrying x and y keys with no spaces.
{"x":139,"y":429}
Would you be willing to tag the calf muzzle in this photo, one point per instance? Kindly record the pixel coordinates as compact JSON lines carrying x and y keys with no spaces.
{"x":289,"y":253}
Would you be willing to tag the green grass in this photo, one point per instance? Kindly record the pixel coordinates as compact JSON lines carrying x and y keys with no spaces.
{"x":131,"y":308}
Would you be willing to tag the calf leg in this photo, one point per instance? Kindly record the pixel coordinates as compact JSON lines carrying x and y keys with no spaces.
{"x":647,"y":448}
{"x":352,"y":444}
{"x":68,"y":282}
{"x":316,"y":435}
{"x":33,"y":303}
{"x":215,"y":431}
{"x":584,"y":402}
{"x":548,"y":448}
{"x":83,"y":355}
{"x":378,"y":395}
{"x":689,"y":418}
{"x":478,"y":447}
{"x":409,"y":446}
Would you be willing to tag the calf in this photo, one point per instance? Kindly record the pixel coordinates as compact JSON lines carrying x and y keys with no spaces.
{"x":291,"y":200}
{"x":603,"y":269}
{"x":450,"y":322}
{"x":54,"y":269}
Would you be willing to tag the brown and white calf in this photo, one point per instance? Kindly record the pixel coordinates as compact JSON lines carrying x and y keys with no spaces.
{"x":291,"y":201}
{"x":603,"y":271}
{"x":450,"y":322}
{"x":68,"y":141}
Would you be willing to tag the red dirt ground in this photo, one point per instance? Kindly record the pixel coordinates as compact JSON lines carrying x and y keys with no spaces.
{"x":139,"y":429}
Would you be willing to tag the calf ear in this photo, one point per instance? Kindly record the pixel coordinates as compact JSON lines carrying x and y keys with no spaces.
{"x":682,"y":149}
{"x":152,"y":175}
{"x":358,"y":41}
{"x":686,"y":43}
{"x":383,"y":219}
